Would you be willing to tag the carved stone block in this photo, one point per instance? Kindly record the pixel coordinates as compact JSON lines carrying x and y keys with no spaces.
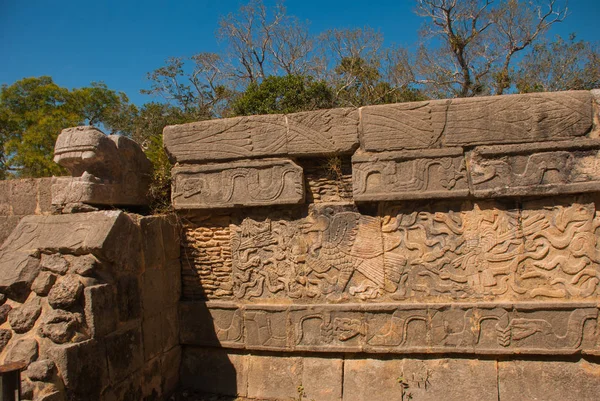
{"x":535,"y":169}
{"x":243,"y":183}
{"x":491,"y":250}
{"x":532,"y":117}
{"x":322,"y":132}
{"x":425,"y":174}
{"x":474,"y":121}
{"x":106,"y":170}
{"x":401,"y":126}
{"x":226,"y":139}
{"x":482,"y":328}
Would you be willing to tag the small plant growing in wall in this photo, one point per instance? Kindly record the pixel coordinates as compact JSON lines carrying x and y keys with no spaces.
{"x":404,"y":386}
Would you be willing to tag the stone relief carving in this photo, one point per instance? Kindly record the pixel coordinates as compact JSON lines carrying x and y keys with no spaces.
{"x":529,"y":170}
{"x":247,"y":183}
{"x":106,"y":170}
{"x":486,"y":252}
{"x":410,"y":175}
{"x":485,"y":120}
{"x":474,"y":328}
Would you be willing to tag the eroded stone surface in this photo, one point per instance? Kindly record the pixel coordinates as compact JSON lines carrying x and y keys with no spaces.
{"x":23,"y":318}
{"x":490,"y":251}
{"x":106,"y":170}
{"x":60,"y":326}
{"x":410,"y":175}
{"x":66,"y":292}
{"x":230,"y":138}
{"x":22,"y":349}
{"x":474,"y":121}
{"x":43,"y":283}
{"x":401,"y":126}
{"x":17,"y":272}
{"x":488,"y":329}
{"x":247,"y":183}
{"x":535,"y":169}
{"x":322,"y":132}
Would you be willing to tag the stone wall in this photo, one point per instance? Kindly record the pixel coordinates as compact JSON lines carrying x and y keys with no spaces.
{"x":440,"y":249}
{"x":20,"y":198}
{"x":89,"y":302}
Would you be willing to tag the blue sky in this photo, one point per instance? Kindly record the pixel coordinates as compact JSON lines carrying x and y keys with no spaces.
{"x":118,"y":42}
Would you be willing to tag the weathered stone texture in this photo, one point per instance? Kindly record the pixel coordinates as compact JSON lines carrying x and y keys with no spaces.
{"x":493,"y":251}
{"x":483,"y":328}
{"x":424,"y":174}
{"x":420,"y":379}
{"x":214,"y":371}
{"x":106,"y":170}
{"x":403,"y":126}
{"x":322,"y":132}
{"x":247,"y":183}
{"x":548,"y":380}
{"x":535,"y":169}
{"x":475,"y":121}
{"x":516,"y":119}
{"x":206,"y":263}
{"x":230,"y":138}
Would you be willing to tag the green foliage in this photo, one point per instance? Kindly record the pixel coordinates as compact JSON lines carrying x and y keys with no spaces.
{"x":283,"y":94}
{"x":147,"y":126}
{"x":159,"y":192}
{"x":33,"y":111}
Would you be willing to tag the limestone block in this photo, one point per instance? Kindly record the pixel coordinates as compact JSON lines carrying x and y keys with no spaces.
{"x":5,"y":192}
{"x":7,"y":225}
{"x":170,"y":328}
{"x":66,"y":292}
{"x":214,"y":370}
{"x":100,"y":310}
{"x":532,"y":117}
{"x":152,"y":331}
{"x":535,"y":169}
{"x":171,"y":365}
{"x":106,"y":170}
{"x":80,"y":234}
{"x":152,"y":379}
{"x":230,"y":138}
{"x":226,"y":327}
{"x":17,"y":273}
{"x":129,"y":300}
{"x":23,"y":318}
{"x":322,"y":132}
{"x":54,"y":263}
{"x":152,"y":241}
{"x":322,"y":378}
{"x":424,"y":174}
{"x":284,"y":373}
{"x":60,"y":326}
{"x":22,"y":350}
{"x":41,"y":370}
{"x":244,"y":183}
{"x":124,"y":353}
{"x":5,"y":336}
{"x":420,"y":379}
{"x":548,"y":380}
{"x":473,"y":328}
{"x":473,"y":121}
{"x":4,"y":311}
{"x":401,"y":126}
{"x":23,"y":196}
{"x":43,"y":283}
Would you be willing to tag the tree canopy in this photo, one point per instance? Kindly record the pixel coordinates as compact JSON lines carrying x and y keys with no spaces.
{"x":272,"y":63}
